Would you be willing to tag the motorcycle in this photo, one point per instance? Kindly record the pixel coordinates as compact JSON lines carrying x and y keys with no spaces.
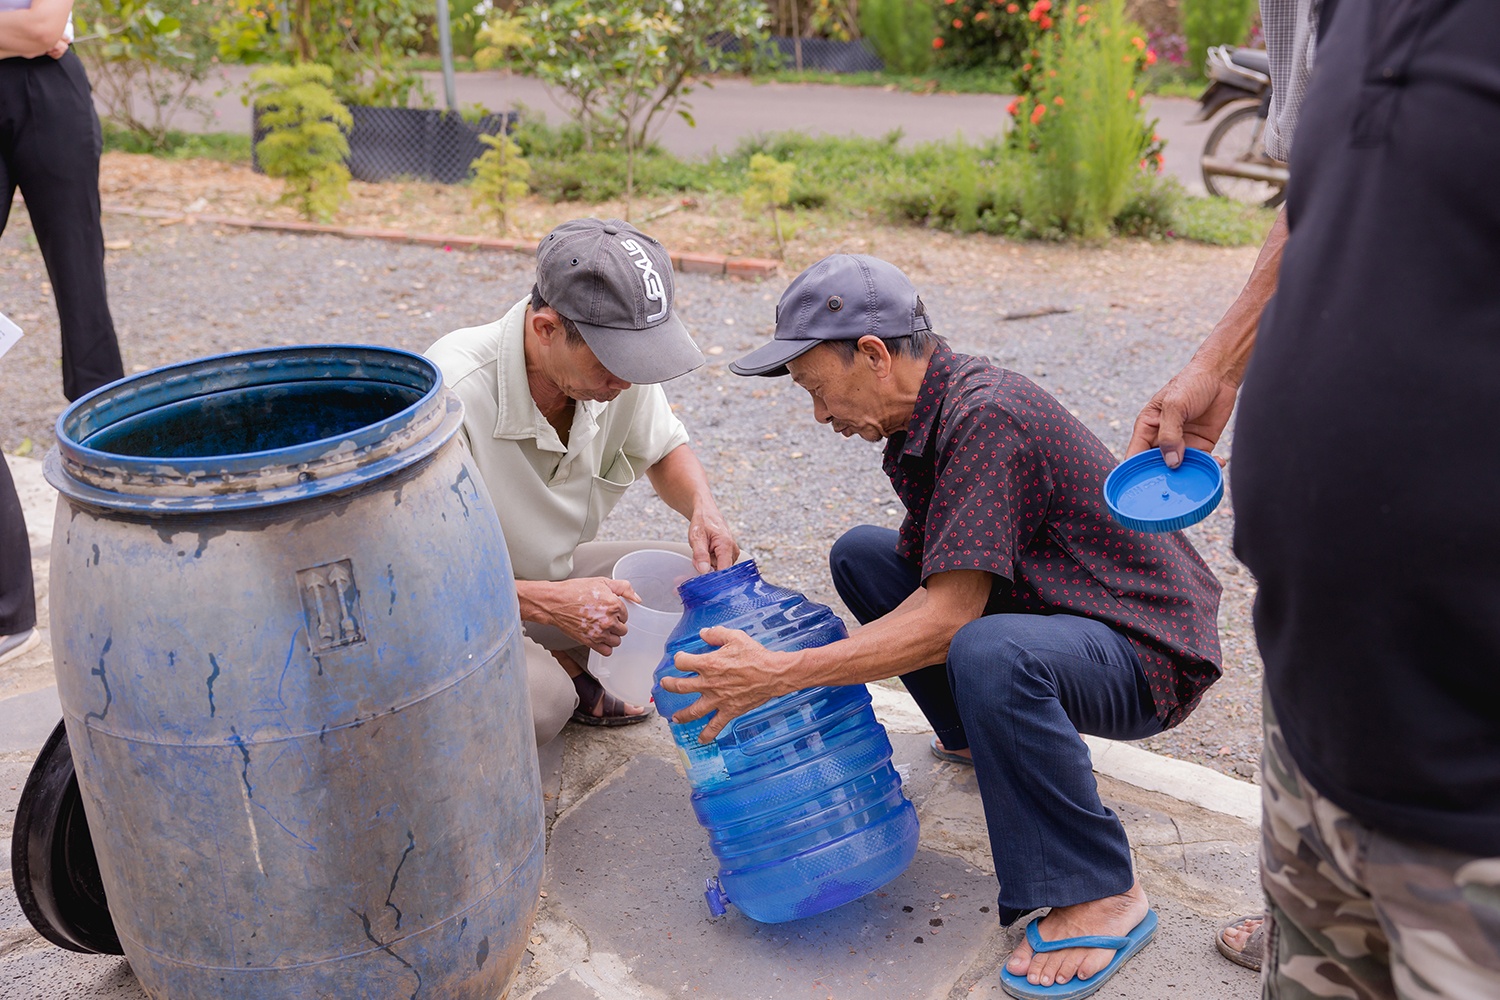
{"x":1234,"y":161}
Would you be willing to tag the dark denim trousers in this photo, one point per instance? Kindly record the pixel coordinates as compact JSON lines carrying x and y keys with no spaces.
{"x":17,"y":596}
{"x":1018,"y":689}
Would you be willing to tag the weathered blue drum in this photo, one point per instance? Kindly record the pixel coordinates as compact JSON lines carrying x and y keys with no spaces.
{"x":288,"y":652}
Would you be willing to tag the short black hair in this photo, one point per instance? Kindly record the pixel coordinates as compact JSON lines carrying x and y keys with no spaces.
{"x":574,"y":335}
{"x":913,"y":345}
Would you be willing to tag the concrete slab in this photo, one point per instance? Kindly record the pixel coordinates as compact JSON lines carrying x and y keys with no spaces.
{"x":26,"y":720}
{"x":630,"y":867}
{"x":12,"y":779}
{"x":1179,"y":964}
{"x":32,"y":969}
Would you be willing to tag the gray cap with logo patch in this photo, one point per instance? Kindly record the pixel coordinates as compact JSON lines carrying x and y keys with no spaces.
{"x":615,"y":283}
{"x":843,"y":297}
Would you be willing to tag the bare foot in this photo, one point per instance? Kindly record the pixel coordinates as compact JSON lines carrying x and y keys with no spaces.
{"x":965,"y":752}
{"x":1113,"y":916}
{"x":1237,"y":935}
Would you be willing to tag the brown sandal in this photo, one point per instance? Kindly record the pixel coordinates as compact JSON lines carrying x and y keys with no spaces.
{"x":591,"y":695}
{"x":1255,"y":944}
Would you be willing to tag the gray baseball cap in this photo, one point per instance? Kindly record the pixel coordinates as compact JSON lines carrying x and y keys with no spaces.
{"x":615,"y":282}
{"x":842,"y":297}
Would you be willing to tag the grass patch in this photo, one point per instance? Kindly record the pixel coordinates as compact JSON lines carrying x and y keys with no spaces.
{"x":1222,"y":222}
{"x":980,"y":80}
{"x":1166,"y":80}
{"x":226,"y":147}
{"x":434,"y":64}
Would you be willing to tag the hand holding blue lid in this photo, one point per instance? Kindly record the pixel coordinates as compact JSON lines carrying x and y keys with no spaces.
{"x":1145,"y":494}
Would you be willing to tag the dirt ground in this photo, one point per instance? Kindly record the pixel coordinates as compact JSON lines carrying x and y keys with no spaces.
{"x":708,"y":223}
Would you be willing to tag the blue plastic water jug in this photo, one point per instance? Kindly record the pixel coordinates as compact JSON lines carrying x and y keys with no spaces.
{"x":802,"y":806}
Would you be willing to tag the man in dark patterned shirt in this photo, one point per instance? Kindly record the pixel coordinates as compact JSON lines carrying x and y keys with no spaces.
{"x":1017,"y":613}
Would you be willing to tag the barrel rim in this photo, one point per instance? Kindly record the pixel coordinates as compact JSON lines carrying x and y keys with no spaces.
{"x":281,"y":475}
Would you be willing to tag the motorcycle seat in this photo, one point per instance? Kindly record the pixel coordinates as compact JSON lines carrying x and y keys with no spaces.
{"x":1252,"y":59}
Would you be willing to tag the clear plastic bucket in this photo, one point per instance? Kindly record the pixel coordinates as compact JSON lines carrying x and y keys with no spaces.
{"x":654,"y":573}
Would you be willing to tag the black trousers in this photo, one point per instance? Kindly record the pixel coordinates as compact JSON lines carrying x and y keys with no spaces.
{"x":49,"y":147}
{"x":17,"y":598}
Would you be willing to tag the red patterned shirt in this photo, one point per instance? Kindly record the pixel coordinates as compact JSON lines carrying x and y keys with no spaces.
{"x":998,"y":476}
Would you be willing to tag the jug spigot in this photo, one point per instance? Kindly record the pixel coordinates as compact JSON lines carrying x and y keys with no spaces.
{"x":713,"y":893}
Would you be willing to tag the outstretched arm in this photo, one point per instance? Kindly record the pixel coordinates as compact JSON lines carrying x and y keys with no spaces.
{"x":1193,"y":409}
{"x":741,"y":674}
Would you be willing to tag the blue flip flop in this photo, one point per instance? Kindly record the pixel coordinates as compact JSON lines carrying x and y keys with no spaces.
{"x":1124,"y":947}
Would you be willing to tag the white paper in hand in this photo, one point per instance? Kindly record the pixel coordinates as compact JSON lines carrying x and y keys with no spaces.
{"x":9,"y":334}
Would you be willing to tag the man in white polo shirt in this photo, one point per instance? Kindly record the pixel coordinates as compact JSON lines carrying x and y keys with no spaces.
{"x":562,"y":412}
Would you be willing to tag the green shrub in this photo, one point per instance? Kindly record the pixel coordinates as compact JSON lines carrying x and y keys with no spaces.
{"x":992,"y":33}
{"x":1207,"y":23}
{"x":1151,"y":206}
{"x":900,"y":32}
{"x":500,"y":177}
{"x":145,"y":59}
{"x":956,"y":187}
{"x":769,"y":187}
{"x":305,"y":143}
{"x":1082,"y":126}
{"x":367,"y":43}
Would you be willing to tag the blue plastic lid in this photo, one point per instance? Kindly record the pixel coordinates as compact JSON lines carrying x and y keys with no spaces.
{"x":1146,"y":495}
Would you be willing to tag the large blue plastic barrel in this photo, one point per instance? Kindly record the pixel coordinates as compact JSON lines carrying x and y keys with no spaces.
{"x":288,"y":651}
{"x":802,"y":806}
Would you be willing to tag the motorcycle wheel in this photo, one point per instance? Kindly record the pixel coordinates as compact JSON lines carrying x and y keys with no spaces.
{"x":1238,"y":137}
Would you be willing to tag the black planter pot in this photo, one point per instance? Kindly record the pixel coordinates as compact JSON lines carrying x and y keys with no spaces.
{"x":414,"y":143}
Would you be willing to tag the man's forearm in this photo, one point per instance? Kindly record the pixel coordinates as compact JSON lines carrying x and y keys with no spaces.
{"x":532,"y":597}
{"x":33,"y":31}
{"x":914,"y":635}
{"x":1228,"y":348}
{"x":681,"y":482}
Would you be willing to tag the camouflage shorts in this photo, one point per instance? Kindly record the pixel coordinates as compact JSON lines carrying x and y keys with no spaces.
{"x":1358,"y":914}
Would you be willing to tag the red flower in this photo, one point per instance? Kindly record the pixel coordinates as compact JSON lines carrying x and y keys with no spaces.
{"x":1045,"y":22}
{"x":983,"y":15}
{"x":1037,"y":113}
{"x":1137,"y":42}
{"x":1058,"y":100}
{"x":1010,"y":108}
{"x":957,"y":23}
{"x":1012,"y":8}
{"x":937,"y":43}
{"x":1150,"y":57}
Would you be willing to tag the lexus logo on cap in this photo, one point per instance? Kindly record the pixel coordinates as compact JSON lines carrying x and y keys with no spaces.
{"x":655,"y":291}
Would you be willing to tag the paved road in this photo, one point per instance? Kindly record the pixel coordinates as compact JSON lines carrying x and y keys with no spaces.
{"x":734,"y":108}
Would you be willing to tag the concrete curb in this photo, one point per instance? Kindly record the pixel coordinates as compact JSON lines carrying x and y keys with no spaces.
{"x":1180,"y":779}
{"x":687,"y":263}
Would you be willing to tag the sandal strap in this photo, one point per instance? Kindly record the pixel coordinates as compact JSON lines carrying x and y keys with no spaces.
{"x":1034,"y":938}
{"x":592,"y":694}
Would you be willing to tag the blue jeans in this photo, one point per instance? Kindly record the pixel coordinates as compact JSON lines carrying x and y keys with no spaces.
{"x":1017,"y":690}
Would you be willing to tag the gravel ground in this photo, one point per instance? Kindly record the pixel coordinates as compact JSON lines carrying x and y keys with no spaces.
{"x":789,"y":486}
